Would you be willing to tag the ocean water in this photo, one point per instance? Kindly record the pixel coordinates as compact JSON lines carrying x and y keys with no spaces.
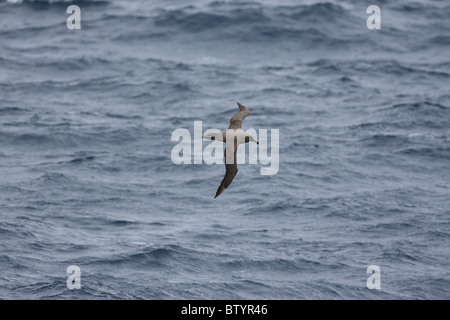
{"x":87,"y":179}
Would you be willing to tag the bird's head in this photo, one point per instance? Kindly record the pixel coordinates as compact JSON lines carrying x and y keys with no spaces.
{"x":250,"y":139}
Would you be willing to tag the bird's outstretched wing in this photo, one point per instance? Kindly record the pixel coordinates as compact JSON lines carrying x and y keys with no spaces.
{"x":236,"y":120}
{"x":231,"y":171}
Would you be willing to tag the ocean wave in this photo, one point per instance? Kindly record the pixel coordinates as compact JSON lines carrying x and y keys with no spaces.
{"x":72,"y":64}
{"x":13,"y":110}
{"x":286,"y":265}
{"x":143,"y":36}
{"x":65,"y":3}
{"x":79,"y":160}
{"x":26,"y":139}
{"x":426,"y":105}
{"x":28,"y":30}
{"x":55,"y":178}
{"x":435,"y":152}
{"x":324,"y":11}
{"x":443,"y":40}
{"x":407,"y":120}
{"x":396,"y":254}
{"x":149,"y":257}
{"x":428,"y":10}
{"x":16,"y":231}
{"x":254,"y":23}
{"x":57,"y":136}
{"x":384,"y":140}
{"x":286,"y":207}
{"x":123,"y":116}
{"x":347,"y":68}
{"x":201,"y":21}
{"x":413,"y":114}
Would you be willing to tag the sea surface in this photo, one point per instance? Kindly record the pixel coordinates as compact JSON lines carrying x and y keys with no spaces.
{"x":87,"y":178}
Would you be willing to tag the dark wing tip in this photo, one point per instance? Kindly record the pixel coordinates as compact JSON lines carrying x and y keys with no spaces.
{"x":241,"y":106}
{"x":221,"y":188}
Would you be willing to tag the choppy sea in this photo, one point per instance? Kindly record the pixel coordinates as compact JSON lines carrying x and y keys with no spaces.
{"x":87,"y":178}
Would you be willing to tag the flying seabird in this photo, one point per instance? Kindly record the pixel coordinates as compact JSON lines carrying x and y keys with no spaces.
{"x":239,"y":136}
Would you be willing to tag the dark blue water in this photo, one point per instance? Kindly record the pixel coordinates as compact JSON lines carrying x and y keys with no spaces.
{"x":86,"y":176}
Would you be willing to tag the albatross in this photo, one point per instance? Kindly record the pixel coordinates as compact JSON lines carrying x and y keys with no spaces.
{"x":236,"y":136}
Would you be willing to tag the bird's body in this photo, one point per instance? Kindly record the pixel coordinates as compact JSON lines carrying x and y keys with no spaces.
{"x":233,"y":137}
{"x":238,"y":134}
